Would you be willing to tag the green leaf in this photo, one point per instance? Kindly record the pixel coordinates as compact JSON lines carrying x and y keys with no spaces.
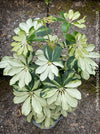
{"x":19,"y":51}
{"x":21,"y":34}
{"x":70,"y":37}
{"x":31,"y":37}
{"x":71,"y":62}
{"x":75,"y":33}
{"x":71,"y":51}
{"x":47,"y":2}
{"x":78,"y":53}
{"x":84,"y":51}
{"x":18,"y":89}
{"x":57,"y":81}
{"x":79,"y":25}
{"x":43,"y":31}
{"x":56,"y":53}
{"x":31,"y":31}
{"x":65,"y":27}
{"x":60,"y":19}
{"x":62,"y":14}
{"x":26,"y":107}
{"x":37,"y":38}
{"x":46,"y":93}
{"x":30,"y":57}
{"x":47,"y":52}
{"x":68,"y":76}
{"x":30,"y":48}
{"x":74,"y":83}
{"x":49,"y":84}
{"x":17,"y":47}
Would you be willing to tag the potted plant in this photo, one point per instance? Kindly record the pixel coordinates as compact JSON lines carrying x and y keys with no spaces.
{"x":46,"y":81}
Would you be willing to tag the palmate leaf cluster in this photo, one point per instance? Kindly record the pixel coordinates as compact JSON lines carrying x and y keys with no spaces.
{"x":46,"y":81}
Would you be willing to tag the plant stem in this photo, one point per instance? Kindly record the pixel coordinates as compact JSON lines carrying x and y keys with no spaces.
{"x":38,"y":45}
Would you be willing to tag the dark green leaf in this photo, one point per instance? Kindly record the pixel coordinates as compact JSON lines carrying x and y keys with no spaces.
{"x":62,"y":14}
{"x":69,"y":37}
{"x":31,"y":30}
{"x":48,"y":52}
{"x":71,"y":62}
{"x":56,"y":53}
{"x":60,"y":19}
{"x":36,"y":38}
{"x":48,"y":92}
{"x":68,"y":76}
{"x":65,"y":27}
{"x":71,"y":51}
{"x":43,"y":31}
{"x":31,"y":37}
{"x":69,"y":42}
{"x":75,"y":33}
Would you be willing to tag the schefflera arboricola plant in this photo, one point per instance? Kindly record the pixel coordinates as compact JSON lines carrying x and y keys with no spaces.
{"x":47,"y":85}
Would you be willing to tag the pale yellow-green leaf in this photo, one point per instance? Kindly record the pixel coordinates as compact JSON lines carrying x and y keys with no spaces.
{"x":64,"y":102}
{"x":17,"y":38}
{"x":29,"y":117}
{"x":28,"y":77}
{"x":16,"y":93}
{"x":74,"y":93}
{"x":36,"y":105}
{"x":54,"y":69}
{"x":52,"y":98}
{"x":20,"y":99}
{"x":70,"y":100}
{"x":26,"y":107}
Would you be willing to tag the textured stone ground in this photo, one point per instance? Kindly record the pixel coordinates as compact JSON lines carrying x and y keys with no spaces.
{"x":85,"y":119}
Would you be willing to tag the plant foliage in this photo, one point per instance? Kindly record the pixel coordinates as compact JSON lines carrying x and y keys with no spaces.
{"x":47,"y":85}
